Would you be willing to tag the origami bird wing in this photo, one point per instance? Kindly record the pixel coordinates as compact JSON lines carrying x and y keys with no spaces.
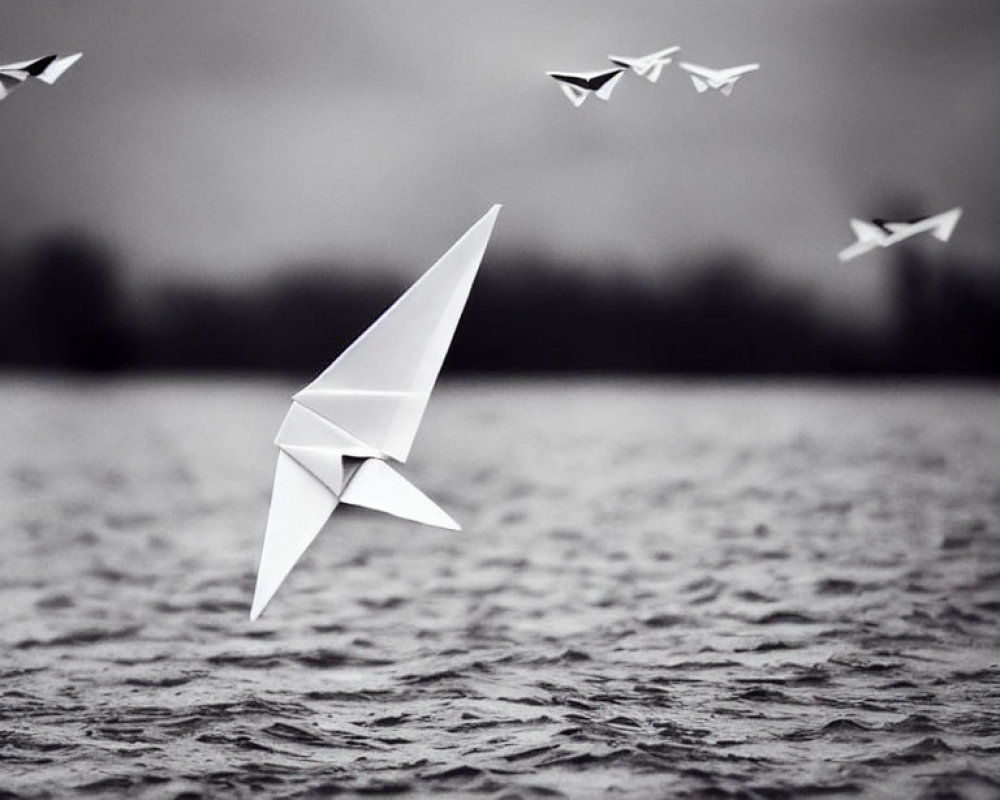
{"x":9,"y":82}
{"x":702,"y":72}
{"x":648,"y":66}
{"x":662,"y":55}
{"x":574,"y":94}
{"x":652,"y":71}
{"x":735,"y":72}
{"x":899,"y":227}
{"x":33,"y":66}
{"x":54,"y":70}
{"x":47,"y":69}
{"x":869,"y":236}
{"x":628,"y":62}
{"x":302,"y":501}
{"x":866,"y":231}
{"x":300,"y":506}
{"x":580,"y":80}
{"x":607,"y":83}
{"x":378,"y":486}
{"x":940,"y":226}
{"x":378,"y":389}
{"x":945,"y":224}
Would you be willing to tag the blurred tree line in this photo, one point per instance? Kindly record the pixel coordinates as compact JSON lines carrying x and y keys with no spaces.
{"x":64,"y":305}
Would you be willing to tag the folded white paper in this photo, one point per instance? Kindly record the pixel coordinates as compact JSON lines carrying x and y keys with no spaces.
{"x":364,"y":409}
{"x":648,"y":66}
{"x":724,"y":80}
{"x":47,"y":69}
{"x":880,"y":233}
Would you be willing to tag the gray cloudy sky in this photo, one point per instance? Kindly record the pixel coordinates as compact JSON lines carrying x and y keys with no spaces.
{"x":228,"y":136}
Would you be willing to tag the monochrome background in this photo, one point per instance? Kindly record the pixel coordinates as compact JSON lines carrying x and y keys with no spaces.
{"x":731,"y":525}
{"x":245,"y":165}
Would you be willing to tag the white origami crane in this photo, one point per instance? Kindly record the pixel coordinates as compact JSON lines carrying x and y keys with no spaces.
{"x":578,"y":85}
{"x":649,"y":67}
{"x":47,"y":69}
{"x":364,"y":409}
{"x":879,"y":233}
{"x":722,"y":79}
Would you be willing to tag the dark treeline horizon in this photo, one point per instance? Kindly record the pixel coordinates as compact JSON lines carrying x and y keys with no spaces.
{"x":64,"y":306}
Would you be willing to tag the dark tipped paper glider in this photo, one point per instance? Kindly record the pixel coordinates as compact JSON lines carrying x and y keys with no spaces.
{"x":650,"y":66}
{"x":47,"y":70}
{"x":880,"y":233}
{"x":363,"y":411}
{"x":577,"y":86}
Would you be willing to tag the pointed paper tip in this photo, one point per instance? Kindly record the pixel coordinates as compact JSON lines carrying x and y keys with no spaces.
{"x":443,"y":521}
{"x":257,"y":607}
{"x":948,"y":224}
{"x":488,"y":219}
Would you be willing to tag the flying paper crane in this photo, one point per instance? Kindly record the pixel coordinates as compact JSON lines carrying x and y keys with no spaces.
{"x":650,"y":66}
{"x":577,"y":86}
{"x":363,"y":410}
{"x":879,"y":233}
{"x":47,"y":69}
{"x":722,"y":79}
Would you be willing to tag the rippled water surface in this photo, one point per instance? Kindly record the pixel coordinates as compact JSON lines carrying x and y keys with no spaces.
{"x":663,"y":590}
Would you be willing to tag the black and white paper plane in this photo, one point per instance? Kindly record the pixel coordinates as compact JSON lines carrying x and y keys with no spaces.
{"x":577,"y":86}
{"x":649,"y":66}
{"x":47,"y":69}
{"x":724,"y":80}
{"x":881,"y":233}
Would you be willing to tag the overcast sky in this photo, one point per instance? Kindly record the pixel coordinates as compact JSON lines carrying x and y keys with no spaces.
{"x":230,"y":136}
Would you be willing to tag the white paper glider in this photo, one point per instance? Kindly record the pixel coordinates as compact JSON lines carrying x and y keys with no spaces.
{"x":879,"y":233}
{"x":364,"y":409}
{"x":47,"y":69}
{"x":722,"y":79}
{"x":578,"y":85}
{"x":649,"y":67}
